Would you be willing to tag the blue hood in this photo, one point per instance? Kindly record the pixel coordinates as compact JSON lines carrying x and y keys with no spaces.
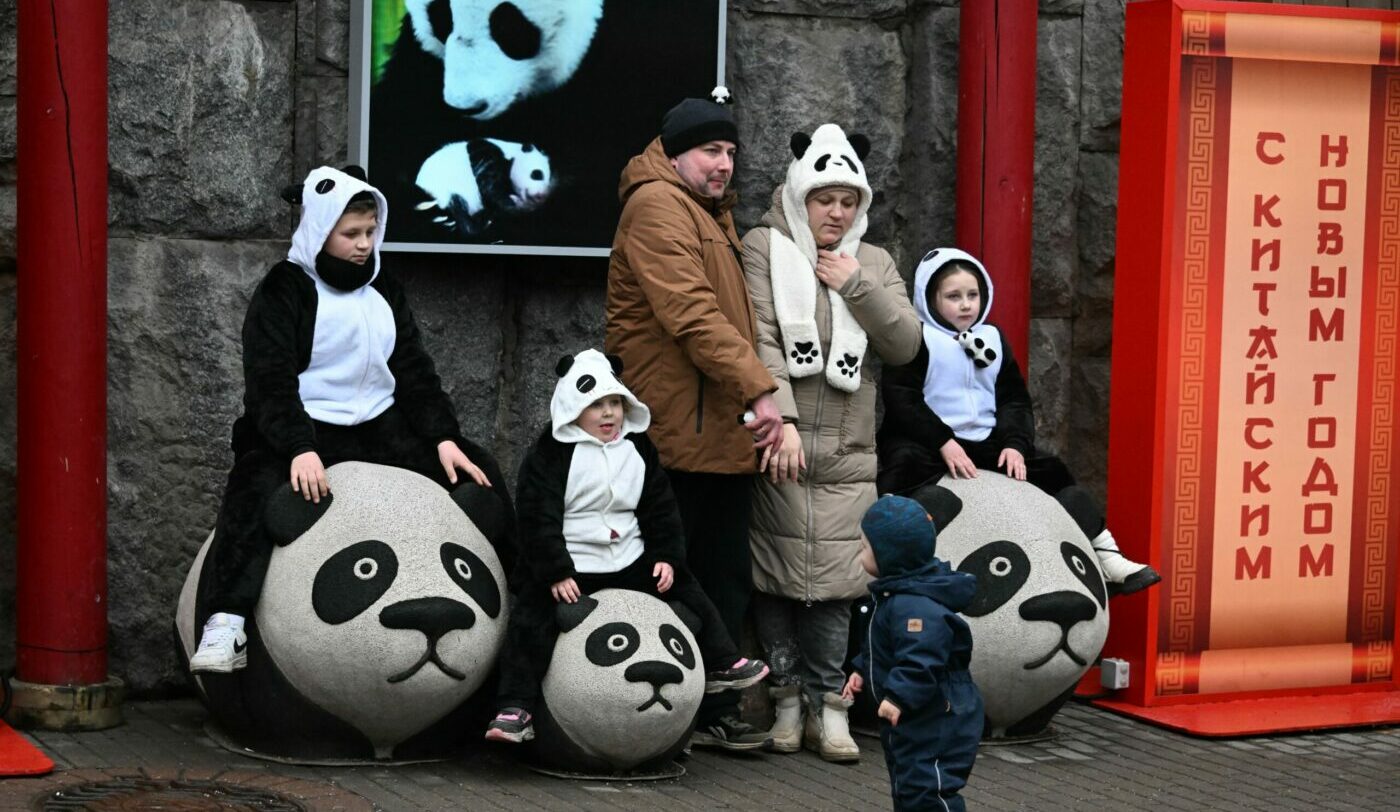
{"x":936,"y":580}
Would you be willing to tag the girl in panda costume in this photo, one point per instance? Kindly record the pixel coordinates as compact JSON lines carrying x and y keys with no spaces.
{"x":334,"y":370}
{"x":962,"y":405}
{"x":597,"y":512}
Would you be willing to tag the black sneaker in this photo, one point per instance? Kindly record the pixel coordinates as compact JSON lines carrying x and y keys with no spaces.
{"x":729,"y":733}
{"x":511,"y":725}
{"x":740,"y":675}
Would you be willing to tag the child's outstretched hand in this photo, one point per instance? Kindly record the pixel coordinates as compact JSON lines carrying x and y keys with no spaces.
{"x":309,"y":476}
{"x":566,"y":590}
{"x":664,"y":575}
{"x":853,"y":685}
{"x":958,"y":462}
{"x":452,"y":458}
{"x":889,"y":712}
{"x":1014,"y":462}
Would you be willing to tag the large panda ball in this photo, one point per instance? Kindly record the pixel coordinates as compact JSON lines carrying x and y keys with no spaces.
{"x":623,"y":686}
{"x":376,"y":622}
{"x":1040,"y":615}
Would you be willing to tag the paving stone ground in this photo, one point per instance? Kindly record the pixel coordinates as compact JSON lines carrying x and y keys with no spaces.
{"x":1098,"y":761}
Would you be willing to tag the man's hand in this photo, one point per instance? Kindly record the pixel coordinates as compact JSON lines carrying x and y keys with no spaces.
{"x":664,"y":575}
{"x":566,"y":590}
{"x":958,"y":462}
{"x":309,"y":476}
{"x":767,"y":423}
{"x":783,"y":466}
{"x":452,"y":458}
{"x":853,"y":685}
{"x":889,"y":712}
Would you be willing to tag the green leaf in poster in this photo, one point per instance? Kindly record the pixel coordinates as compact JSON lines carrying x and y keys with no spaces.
{"x":386,"y":18}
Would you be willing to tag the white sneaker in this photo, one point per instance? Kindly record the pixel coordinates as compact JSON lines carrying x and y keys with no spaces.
{"x":223,"y":648}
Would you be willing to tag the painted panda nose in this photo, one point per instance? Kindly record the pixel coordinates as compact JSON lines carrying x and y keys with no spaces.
{"x":653,"y":671}
{"x":433,"y":617}
{"x":1061,"y":608}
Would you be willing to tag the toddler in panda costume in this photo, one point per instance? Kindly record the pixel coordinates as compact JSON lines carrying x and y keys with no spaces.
{"x":596,"y":512}
{"x":962,"y":405}
{"x":334,"y":370}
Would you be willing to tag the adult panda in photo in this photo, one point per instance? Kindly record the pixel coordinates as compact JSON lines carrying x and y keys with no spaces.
{"x":471,"y":184}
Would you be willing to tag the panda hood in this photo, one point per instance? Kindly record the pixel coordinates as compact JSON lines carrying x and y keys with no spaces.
{"x":931,"y":263}
{"x":324,"y":195}
{"x":590,"y":375}
{"x":828,"y":160}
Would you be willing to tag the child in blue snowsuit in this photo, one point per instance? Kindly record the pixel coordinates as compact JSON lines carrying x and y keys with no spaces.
{"x":915,"y":658}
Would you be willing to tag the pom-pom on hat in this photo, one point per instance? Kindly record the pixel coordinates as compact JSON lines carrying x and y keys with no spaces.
{"x":698,"y":121}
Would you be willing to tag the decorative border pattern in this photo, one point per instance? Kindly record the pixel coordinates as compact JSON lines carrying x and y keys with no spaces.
{"x":1178,"y":673}
{"x":1202,"y":33}
{"x":1372,"y":662}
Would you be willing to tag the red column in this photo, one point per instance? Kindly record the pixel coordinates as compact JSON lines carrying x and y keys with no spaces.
{"x":996,"y":152}
{"x":61,"y":598}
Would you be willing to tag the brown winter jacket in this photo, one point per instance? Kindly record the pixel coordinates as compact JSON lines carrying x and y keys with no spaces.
{"x":679,"y":316}
{"x":805,"y":536}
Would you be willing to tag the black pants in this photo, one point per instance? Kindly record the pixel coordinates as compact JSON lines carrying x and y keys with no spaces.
{"x":906,"y":464}
{"x":242,"y":548}
{"x":532,"y":632}
{"x":715,"y":513}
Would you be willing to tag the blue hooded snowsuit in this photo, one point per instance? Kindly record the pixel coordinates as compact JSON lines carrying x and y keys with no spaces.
{"x":916,"y":655}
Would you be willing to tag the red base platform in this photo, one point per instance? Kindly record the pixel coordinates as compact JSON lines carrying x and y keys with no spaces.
{"x":1280,"y":714}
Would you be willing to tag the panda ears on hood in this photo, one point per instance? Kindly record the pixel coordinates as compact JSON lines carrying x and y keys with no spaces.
{"x":566,"y":363}
{"x":569,"y":615}
{"x":292,"y":193}
{"x":801,"y":141}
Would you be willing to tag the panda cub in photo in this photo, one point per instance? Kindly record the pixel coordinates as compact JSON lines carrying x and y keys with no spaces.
{"x":470,"y":183}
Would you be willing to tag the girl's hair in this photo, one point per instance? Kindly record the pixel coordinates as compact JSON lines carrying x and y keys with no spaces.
{"x":362,"y":203}
{"x":946,"y":270}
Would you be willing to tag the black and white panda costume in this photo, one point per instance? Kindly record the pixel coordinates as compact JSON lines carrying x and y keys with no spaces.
{"x":967,"y":386}
{"x":333,"y":363}
{"x":470,"y":183}
{"x":602,"y":514}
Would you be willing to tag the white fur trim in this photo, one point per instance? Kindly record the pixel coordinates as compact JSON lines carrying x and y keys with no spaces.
{"x":795,"y":305}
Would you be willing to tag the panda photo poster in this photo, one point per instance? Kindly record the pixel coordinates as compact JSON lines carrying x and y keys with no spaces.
{"x":503,"y":126}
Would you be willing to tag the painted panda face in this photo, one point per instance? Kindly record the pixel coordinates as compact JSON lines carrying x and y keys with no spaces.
{"x":625,"y":683}
{"x":496,"y":53}
{"x":389,"y":610}
{"x":530,"y":175}
{"x":1040,"y":614}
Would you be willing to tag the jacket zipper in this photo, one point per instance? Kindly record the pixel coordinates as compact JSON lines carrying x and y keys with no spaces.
{"x":811,"y":473}
{"x":870,"y":644}
{"x":699,"y":401}
{"x":369,"y":350}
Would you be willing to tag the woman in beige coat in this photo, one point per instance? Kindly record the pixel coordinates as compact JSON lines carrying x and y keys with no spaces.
{"x":825,"y":305}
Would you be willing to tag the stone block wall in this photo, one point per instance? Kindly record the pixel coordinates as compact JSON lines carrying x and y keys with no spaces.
{"x":216,"y":104}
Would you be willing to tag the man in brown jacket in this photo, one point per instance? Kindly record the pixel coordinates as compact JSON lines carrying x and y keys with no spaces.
{"x":680,"y":318}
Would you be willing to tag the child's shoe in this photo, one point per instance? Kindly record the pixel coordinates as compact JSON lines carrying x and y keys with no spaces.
{"x":741,"y":674}
{"x":787,"y":718}
{"x":512,"y":725}
{"x":223,"y":648}
{"x":1122,"y":576}
{"x":828,"y":731}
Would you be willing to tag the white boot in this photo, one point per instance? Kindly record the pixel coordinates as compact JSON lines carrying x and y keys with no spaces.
{"x":1123,"y":576}
{"x":828,"y":732}
{"x":787,"y":722}
{"x":224,"y":646}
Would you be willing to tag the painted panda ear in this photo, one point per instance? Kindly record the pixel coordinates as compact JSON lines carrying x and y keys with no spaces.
{"x":288,"y":515}
{"x":486,"y":510}
{"x":562,"y":368}
{"x":292,"y":194}
{"x":569,"y":615}
{"x":799,"y":144}
{"x":358,"y":172}
{"x":860,"y":144}
{"x":941,"y":505}
{"x":615,"y":361}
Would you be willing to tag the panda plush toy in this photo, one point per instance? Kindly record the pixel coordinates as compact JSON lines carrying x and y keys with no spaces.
{"x":622,"y":689}
{"x":381,"y":615}
{"x":470,"y":183}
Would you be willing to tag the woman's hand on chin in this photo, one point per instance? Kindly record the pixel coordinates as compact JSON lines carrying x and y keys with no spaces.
{"x":835,"y":270}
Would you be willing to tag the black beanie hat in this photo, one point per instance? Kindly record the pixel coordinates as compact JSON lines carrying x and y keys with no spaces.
{"x":697,"y":121}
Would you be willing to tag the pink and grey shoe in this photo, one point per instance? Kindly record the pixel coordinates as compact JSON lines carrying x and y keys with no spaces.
{"x":513,"y":725}
{"x":741,"y":674}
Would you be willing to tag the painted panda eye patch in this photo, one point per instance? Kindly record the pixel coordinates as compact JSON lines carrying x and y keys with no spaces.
{"x":1001,"y":569}
{"x":352,"y":580}
{"x":1086,"y":571}
{"x":473,"y":576}
{"x":677,"y":645}
{"x":440,"y":17}
{"x":611,"y":644}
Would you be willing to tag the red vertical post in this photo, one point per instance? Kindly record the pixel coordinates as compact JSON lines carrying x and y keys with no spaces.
{"x":996,"y":152}
{"x":61,"y":597}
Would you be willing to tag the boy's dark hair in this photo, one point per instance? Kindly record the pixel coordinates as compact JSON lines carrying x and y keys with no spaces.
{"x":946,"y":270}
{"x":362,"y":203}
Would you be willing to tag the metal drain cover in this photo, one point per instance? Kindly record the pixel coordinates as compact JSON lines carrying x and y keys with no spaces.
{"x":138,"y":793}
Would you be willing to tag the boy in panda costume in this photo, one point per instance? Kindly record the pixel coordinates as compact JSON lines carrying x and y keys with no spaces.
{"x":334,"y":370}
{"x":962,"y":405}
{"x":596,"y":512}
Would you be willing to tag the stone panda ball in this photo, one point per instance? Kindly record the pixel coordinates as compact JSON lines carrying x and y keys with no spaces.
{"x":622,"y":688}
{"x":1040,"y":616}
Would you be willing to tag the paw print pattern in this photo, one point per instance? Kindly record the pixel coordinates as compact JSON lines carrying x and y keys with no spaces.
{"x":848,"y":365}
{"x":804,"y":352}
{"x":982,"y":356}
